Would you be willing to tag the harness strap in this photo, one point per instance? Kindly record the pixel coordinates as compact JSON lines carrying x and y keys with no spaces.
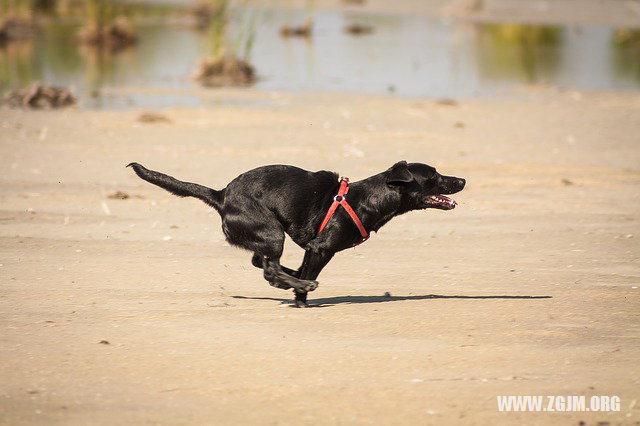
{"x":342,"y":201}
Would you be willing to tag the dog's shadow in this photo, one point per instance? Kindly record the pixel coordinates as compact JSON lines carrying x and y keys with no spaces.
{"x":332,"y":301}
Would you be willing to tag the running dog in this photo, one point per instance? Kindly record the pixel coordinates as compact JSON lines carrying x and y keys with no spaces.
{"x":320,"y":213}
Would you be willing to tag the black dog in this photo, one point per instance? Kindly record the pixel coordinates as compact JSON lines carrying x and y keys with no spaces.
{"x":259,"y":206}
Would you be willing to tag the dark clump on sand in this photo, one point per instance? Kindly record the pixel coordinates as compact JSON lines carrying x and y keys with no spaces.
{"x":119,"y":195}
{"x":227,"y":71}
{"x":446,"y":102}
{"x":567,"y":182}
{"x":40,"y":96}
{"x":358,"y":29}
{"x":153,"y":117}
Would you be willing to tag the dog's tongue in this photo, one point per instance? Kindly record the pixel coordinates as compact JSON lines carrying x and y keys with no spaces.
{"x":443,"y":201}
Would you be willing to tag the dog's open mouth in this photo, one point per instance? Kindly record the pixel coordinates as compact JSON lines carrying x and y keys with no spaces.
{"x":441,"y":202}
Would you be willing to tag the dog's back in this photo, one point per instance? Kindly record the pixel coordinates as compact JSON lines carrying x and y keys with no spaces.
{"x":291,"y":193}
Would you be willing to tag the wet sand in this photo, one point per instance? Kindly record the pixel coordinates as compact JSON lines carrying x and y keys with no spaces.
{"x":132,"y":311}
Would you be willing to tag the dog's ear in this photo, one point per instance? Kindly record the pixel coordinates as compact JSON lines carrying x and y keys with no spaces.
{"x":399,"y":173}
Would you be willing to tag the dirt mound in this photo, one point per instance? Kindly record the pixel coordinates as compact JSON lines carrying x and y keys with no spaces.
{"x":116,"y":36}
{"x":15,"y":28}
{"x":40,"y":96}
{"x":225,"y":72}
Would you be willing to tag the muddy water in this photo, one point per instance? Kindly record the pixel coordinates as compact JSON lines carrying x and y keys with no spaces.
{"x":405,"y":55}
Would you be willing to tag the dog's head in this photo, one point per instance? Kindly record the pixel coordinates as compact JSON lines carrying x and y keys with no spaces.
{"x":422,"y":187}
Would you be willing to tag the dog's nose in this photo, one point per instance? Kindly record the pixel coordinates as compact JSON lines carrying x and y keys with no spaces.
{"x":461,"y":182}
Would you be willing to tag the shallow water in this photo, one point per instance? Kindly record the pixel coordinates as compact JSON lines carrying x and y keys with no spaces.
{"x":405,"y":55}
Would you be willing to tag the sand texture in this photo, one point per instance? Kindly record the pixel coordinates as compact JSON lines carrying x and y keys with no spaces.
{"x":131,"y":308}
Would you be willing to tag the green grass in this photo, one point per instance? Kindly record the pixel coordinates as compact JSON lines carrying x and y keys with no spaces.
{"x":227,"y":40}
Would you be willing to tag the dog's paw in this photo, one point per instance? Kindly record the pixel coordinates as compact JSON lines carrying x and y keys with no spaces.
{"x":300,"y":304}
{"x":309,"y":285}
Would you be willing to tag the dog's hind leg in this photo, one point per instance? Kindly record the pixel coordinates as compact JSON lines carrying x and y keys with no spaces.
{"x":278,"y":278}
{"x":258,"y":262}
{"x":253,"y":227}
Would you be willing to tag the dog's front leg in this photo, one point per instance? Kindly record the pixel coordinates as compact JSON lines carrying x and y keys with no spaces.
{"x":313,"y":263}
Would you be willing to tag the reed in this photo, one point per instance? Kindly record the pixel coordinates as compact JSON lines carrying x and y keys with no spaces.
{"x":17,"y":8}
{"x":227,"y":63}
{"x":100,"y":13}
{"x":627,"y":38}
{"x":218,"y":24}
{"x":246,"y":35}
{"x":531,"y":35}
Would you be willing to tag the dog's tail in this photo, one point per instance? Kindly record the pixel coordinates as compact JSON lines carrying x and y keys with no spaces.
{"x":181,"y":189}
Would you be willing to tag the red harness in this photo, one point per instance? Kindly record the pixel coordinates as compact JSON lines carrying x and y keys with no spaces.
{"x":341,"y":200}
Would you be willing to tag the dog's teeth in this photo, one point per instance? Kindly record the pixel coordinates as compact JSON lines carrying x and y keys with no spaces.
{"x":446,"y":201}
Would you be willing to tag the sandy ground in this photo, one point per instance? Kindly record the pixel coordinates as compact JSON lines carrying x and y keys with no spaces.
{"x":529,"y":287}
